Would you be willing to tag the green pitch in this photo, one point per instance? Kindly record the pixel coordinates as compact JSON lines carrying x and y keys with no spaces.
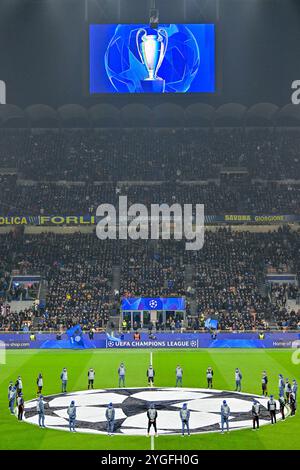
{"x":18,"y":435}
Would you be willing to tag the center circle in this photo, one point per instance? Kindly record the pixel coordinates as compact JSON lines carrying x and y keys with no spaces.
{"x":131,"y":405}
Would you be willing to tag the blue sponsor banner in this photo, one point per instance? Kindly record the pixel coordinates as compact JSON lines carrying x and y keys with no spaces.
{"x":153,"y":303}
{"x":159,"y":340}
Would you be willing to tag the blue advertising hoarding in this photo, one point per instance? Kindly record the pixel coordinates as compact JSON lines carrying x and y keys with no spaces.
{"x":153,"y":303}
{"x":277,"y":340}
{"x":134,"y":58}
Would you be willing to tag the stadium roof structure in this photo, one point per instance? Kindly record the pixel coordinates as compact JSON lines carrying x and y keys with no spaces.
{"x":140,"y":115}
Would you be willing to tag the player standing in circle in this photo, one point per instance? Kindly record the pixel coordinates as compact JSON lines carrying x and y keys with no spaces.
{"x":185,"y":418}
{"x":255,"y":414}
{"x":272,"y":409}
{"x":150,"y":375}
{"x":238,"y":380}
{"x":40,"y":407}
{"x":152,"y":417}
{"x":110,"y":418}
{"x":179,"y":374}
{"x":209,"y":377}
{"x":225,"y":413}
{"x":91,"y":378}
{"x":264,"y":384}
{"x":121,"y":374}
{"x":72,"y":416}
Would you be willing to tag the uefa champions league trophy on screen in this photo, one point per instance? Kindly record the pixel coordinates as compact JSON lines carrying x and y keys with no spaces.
{"x":152,"y":49}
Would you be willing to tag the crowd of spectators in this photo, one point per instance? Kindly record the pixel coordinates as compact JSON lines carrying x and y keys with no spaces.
{"x":149,"y":154}
{"x":71,"y":172}
{"x":227,"y":282}
{"x":82,"y":199}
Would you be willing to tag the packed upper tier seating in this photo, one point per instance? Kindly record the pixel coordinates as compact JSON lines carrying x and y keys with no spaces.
{"x":218,"y":199}
{"x":149,"y":154}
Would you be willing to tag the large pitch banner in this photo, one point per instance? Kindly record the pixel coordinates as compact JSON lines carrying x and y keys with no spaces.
{"x":134,"y":58}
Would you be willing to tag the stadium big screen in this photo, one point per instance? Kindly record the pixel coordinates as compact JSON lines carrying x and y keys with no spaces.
{"x":134,"y":58}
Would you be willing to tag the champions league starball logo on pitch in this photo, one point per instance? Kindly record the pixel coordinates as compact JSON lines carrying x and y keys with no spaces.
{"x":141,"y":60}
{"x":131,"y":405}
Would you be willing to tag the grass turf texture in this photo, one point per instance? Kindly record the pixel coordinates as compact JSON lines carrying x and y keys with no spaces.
{"x":15,"y":435}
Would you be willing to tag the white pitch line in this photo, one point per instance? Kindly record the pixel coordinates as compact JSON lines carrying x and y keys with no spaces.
{"x":151,"y":363}
{"x":152,"y":442}
{"x":151,"y":385}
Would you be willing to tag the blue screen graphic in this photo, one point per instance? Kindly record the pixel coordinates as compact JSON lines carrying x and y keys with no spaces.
{"x":153,"y":303}
{"x":175,"y":58}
